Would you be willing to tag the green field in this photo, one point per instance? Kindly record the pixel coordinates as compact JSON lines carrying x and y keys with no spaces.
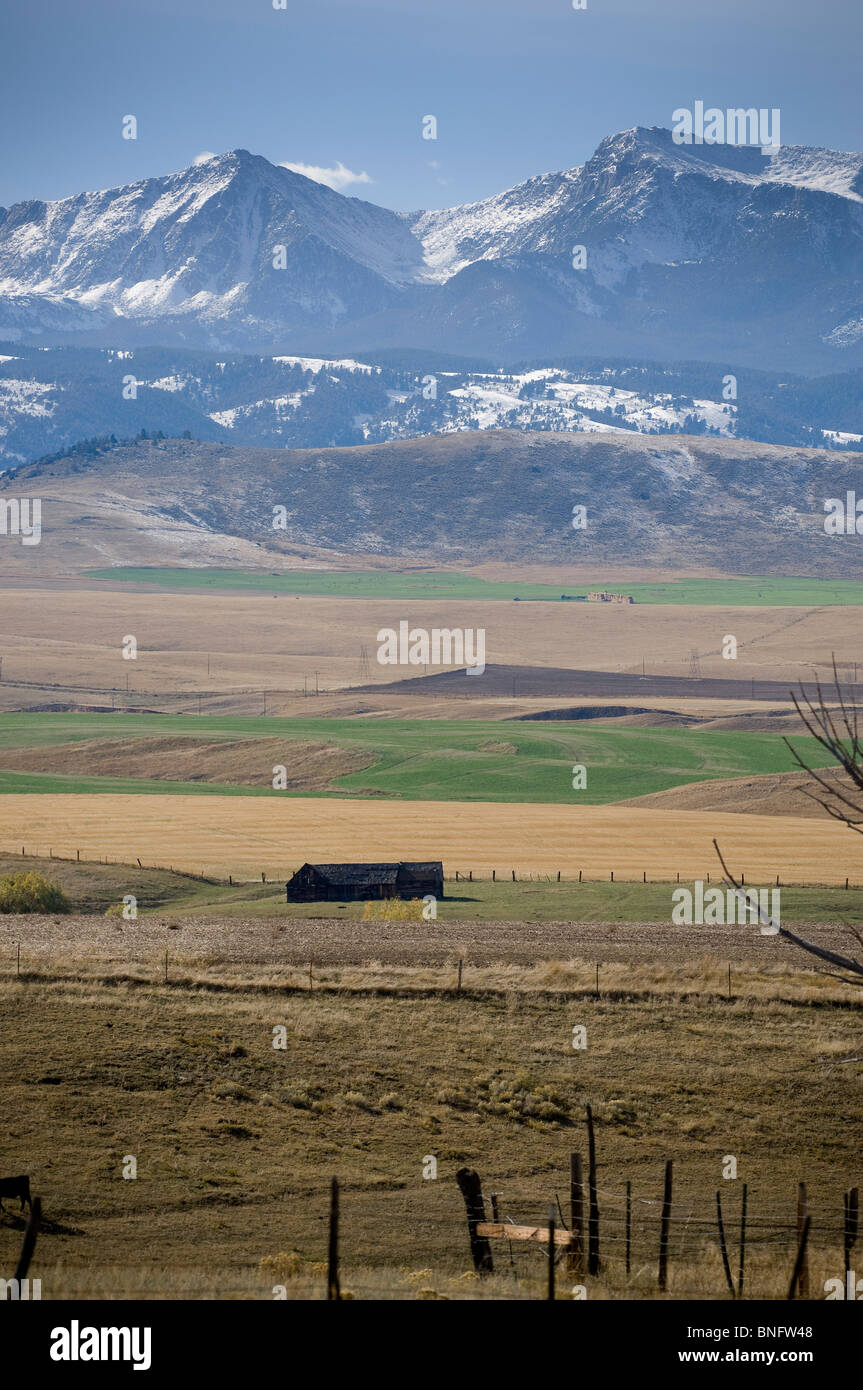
{"x":534,"y":901}
{"x":431,"y":760}
{"x":795,"y":592}
{"x":93,"y":888}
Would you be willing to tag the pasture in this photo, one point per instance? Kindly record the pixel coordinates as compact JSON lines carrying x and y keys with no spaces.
{"x":416,"y":760}
{"x":234,"y":1141}
{"x":445,"y":584}
{"x":221,"y":908}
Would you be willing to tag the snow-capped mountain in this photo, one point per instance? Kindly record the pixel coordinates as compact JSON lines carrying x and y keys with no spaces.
{"x":712,"y":251}
{"x":198,"y":248}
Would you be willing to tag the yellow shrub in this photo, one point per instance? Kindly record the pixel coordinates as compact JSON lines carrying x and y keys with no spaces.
{"x":393,"y":910}
{"x":31,"y":893}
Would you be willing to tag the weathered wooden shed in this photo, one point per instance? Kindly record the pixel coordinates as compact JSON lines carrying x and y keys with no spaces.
{"x":348,"y":882}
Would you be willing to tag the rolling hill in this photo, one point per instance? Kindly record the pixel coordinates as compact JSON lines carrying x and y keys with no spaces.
{"x":731,"y":506}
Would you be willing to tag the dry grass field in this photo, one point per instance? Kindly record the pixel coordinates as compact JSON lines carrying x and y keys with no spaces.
{"x":207,"y":950}
{"x":68,"y":636}
{"x":247,"y":836}
{"x":235,"y":1141}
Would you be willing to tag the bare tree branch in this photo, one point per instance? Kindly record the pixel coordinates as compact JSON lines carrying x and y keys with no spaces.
{"x":845,"y":748}
{"x":844,"y":962}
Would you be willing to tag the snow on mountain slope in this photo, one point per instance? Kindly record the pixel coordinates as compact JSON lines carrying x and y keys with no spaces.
{"x":500,"y":226}
{"x":619,"y":184}
{"x":552,"y":399}
{"x":194,"y":241}
{"x":317,"y":364}
{"x":827,"y":171}
{"x":54,"y":398}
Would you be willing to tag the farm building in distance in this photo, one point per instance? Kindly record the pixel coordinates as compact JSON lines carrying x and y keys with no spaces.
{"x":603,"y":596}
{"x":348,"y":882}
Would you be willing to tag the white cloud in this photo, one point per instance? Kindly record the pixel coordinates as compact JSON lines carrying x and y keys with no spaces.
{"x":337,"y":178}
{"x":203,"y":157}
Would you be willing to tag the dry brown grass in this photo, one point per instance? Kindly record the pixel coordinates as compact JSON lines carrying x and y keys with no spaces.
{"x":774,"y":794}
{"x":246,"y":836}
{"x":58,"y":635}
{"x":235,"y":1140}
{"x":249,"y":762}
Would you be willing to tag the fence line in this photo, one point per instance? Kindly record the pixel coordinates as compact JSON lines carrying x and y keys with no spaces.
{"x":692,"y":1229}
{"x":513,"y":875}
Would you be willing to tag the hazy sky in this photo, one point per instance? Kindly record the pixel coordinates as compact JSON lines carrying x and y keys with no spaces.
{"x":518,"y":86}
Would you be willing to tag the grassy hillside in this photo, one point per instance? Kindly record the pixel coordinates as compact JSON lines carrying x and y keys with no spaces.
{"x":759,"y":592}
{"x":436,"y":760}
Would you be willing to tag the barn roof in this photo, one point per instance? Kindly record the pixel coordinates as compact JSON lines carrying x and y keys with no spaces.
{"x":370,"y":873}
{"x":357,"y":873}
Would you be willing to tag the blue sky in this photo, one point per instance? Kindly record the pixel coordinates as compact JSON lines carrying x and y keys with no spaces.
{"x":518,"y":86}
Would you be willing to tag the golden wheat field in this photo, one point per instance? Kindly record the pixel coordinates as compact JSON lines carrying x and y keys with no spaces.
{"x":246,"y":836}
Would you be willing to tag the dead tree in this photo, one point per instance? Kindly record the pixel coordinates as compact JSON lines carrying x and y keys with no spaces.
{"x":845,"y":746}
{"x":839,"y":735}
{"x":854,"y":967}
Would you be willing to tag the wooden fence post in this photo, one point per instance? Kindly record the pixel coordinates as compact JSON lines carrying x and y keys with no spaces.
{"x":593,"y":1211}
{"x":851,"y":1203}
{"x":628,"y":1227}
{"x":802,"y":1266}
{"x":801,"y":1261}
{"x":576,"y":1217}
{"x":742,"y":1244}
{"x":725,"y":1265}
{"x":551,"y":1224}
{"x":663,"y":1229}
{"x":333,"y":1291}
{"x":459,"y":974}
{"x":471,"y":1189}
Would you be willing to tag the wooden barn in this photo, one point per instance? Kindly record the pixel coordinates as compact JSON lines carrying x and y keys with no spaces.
{"x":348,"y":882}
